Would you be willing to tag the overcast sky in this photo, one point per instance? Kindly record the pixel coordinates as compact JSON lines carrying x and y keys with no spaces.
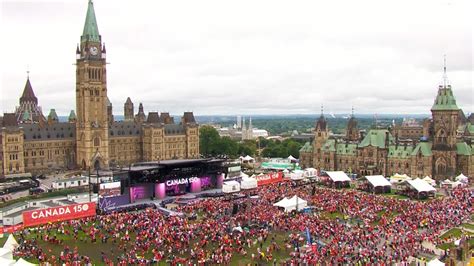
{"x":245,"y":56}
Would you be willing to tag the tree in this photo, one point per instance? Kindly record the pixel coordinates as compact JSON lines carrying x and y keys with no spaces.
{"x":208,"y":140}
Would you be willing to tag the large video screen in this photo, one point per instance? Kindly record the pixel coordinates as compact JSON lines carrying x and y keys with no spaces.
{"x":109,"y":189}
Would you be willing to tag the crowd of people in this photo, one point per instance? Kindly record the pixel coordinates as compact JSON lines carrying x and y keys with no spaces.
{"x":371,"y":229}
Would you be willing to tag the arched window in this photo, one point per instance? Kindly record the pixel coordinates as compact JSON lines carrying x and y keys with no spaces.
{"x":96,"y":142}
{"x":441,"y":136}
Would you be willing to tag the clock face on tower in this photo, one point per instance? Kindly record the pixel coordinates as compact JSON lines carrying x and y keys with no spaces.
{"x":93,"y":50}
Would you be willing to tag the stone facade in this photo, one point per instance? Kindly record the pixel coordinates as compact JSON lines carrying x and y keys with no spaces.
{"x":91,"y":138}
{"x":441,"y":147}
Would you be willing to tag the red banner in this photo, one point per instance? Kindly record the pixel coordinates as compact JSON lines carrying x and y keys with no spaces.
{"x":269,"y":178}
{"x":11,"y":229}
{"x":57,"y":214}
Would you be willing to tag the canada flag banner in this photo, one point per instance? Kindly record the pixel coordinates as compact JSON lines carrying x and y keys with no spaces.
{"x":57,"y":214}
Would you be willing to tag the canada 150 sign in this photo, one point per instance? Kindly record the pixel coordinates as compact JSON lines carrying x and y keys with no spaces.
{"x":57,"y":214}
{"x":181,"y":181}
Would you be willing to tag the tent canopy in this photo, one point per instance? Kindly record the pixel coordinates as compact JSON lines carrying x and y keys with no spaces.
{"x":22,"y":262}
{"x":231,"y":186}
{"x":420,"y":185}
{"x":462,"y":178}
{"x":378,"y":180}
{"x":435,"y":262}
{"x":338,"y":176}
{"x":248,"y":183}
{"x":291,"y":158}
{"x":247,"y":158}
{"x":292,"y":204}
{"x":11,"y":243}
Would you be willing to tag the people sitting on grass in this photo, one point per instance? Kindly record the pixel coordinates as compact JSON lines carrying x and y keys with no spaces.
{"x":351,"y":227}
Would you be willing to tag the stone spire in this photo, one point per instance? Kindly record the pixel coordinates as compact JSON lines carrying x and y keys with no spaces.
{"x":128,"y":110}
{"x":140,"y":117}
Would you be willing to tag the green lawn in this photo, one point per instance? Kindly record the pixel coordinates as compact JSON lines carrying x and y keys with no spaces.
{"x":468,"y":226}
{"x":456,"y":234}
{"x":93,"y":250}
{"x":332,"y":215}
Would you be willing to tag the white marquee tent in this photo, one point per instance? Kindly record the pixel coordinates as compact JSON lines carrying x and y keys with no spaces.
{"x":11,"y":243}
{"x":338,"y":176}
{"x":310,"y":173}
{"x":378,"y":181}
{"x":22,"y":262}
{"x":248,"y":183}
{"x":231,"y":187}
{"x":420,"y":185}
{"x":430,"y":180}
{"x":247,"y":159}
{"x":297,"y":175}
{"x":435,"y":262}
{"x":292,"y":204}
{"x":462,"y":178}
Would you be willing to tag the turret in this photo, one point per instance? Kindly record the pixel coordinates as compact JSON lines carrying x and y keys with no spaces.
{"x":128,"y":110}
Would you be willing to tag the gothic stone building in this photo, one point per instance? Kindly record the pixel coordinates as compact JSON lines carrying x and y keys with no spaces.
{"x":30,"y":142}
{"x":442,"y":148}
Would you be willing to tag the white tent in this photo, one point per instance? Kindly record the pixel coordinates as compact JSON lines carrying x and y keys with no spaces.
{"x":462,"y":178}
{"x":6,"y":254}
{"x":248,"y":183}
{"x":338,"y":176}
{"x":310,"y":173}
{"x":398,"y":178}
{"x":7,"y":262}
{"x":282,"y":203}
{"x":243,"y":175}
{"x":11,"y":243}
{"x":292,"y":204}
{"x":297,"y":175}
{"x":247,"y":159}
{"x":430,"y":180}
{"x":22,"y":262}
{"x":291,"y":158}
{"x":420,"y":185}
{"x":378,"y":181}
{"x":435,"y":262}
{"x":457,"y":184}
{"x":231,"y":187}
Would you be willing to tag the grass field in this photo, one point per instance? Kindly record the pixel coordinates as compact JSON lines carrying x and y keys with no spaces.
{"x":111,"y":250}
{"x":454,"y":233}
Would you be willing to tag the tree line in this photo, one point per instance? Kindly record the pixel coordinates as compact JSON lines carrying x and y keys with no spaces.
{"x":211,"y":145}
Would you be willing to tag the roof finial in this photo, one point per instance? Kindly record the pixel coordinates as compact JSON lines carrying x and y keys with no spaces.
{"x":352,"y":113}
{"x":322,"y":109}
{"x":27,"y":71}
{"x":445,"y":75}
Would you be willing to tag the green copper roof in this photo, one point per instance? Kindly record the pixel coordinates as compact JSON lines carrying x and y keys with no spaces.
{"x":346,"y":149}
{"x":424,"y":147}
{"x":26,"y":115}
{"x":445,"y":99}
{"x":463,"y":149}
{"x":400,"y":151}
{"x":307,"y":147}
{"x":376,"y":138}
{"x":72,"y":115}
{"x":470,"y":128}
{"x":91,"y":31}
{"x":53,"y":115}
{"x":329,"y":145}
